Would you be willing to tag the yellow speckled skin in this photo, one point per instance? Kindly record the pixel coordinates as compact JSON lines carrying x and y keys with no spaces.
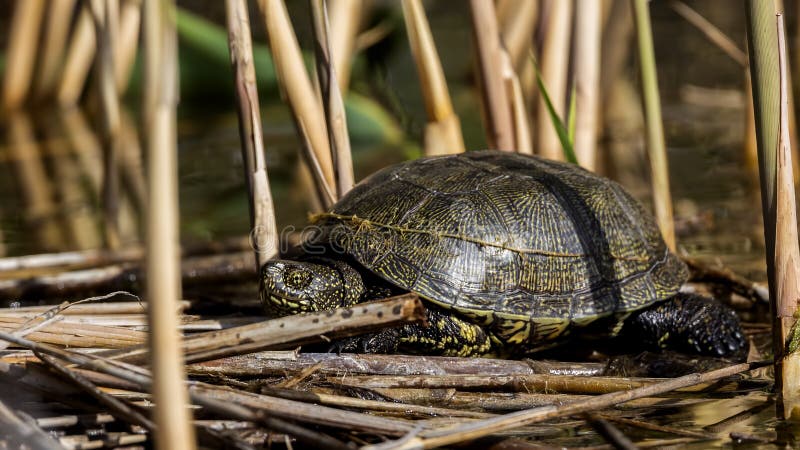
{"x":529,"y":247}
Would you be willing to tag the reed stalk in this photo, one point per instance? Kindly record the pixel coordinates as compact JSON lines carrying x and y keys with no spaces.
{"x":262,"y":210}
{"x":336,"y":120}
{"x":517,"y":20}
{"x":519,"y":108}
{"x":22,"y":430}
{"x":59,"y":19}
{"x":106,"y":24}
{"x":294,"y":81}
{"x":345,"y":22}
{"x":82,"y":47}
{"x":764,"y":64}
{"x":21,"y":53}
{"x":130,"y":18}
{"x":169,"y":392}
{"x":448,"y":435}
{"x":496,"y":105}
{"x":656,"y":148}
{"x":554,"y":61}
{"x":586,"y":73}
{"x":443,"y":130}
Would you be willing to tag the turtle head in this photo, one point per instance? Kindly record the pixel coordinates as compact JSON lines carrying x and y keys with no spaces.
{"x":291,"y":287}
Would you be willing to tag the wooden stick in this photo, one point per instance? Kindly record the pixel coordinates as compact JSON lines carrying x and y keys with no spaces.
{"x":586,"y":72}
{"x":656,"y":148}
{"x":56,"y":32}
{"x":443,"y":130}
{"x":262,"y":210}
{"x":787,"y":258}
{"x":470,"y":431}
{"x":278,"y":363}
{"x":24,"y":37}
{"x":499,"y":127}
{"x":336,"y":120}
{"x":554,"y":61}
{"x":162,"y":257}
{"x":295,"y":82}
{"x":293,"y":330}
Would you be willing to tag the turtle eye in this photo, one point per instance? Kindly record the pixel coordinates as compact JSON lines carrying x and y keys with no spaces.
{"x":297,"y":278}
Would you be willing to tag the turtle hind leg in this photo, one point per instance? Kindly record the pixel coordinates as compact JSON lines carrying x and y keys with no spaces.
{"x":691,"y":324}
{"x":444,"y":334}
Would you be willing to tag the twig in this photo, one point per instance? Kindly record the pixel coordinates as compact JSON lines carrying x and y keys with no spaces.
{"x":117,"y":407}
{"x":660,"y":428}
{"x":726,"y":277}
{"x":470,"y":431}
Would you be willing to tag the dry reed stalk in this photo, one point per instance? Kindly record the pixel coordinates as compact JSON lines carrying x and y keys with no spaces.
{"x":106,"y":25}
{"x":615,"y":46}
{"x":380,"y":406}
{"x":656,"y":147}
{"x":85,"y":145}
{"x":130,"y":18}
{"x":711,"y":32}
{"x":80,"y":54}
{"x":16,"y":428}
{"x":33,"y":181}
{"x":162,"y":257}
{"x":787,"y":256}
{"x":21,"y":53}
{"x":78,"y":335}
{"x":345,"y":22}
{"x":497,"y":107}
{"x":117,"y":407}
{"x":294,"y":330}
{"x":206,"y":269}
{"x":660,"y":428}
{"x":517,"y":19}
{"x":554,"y":61}
{"x":262,"y":210}
{"x":294,"y":81}
{"x":549,"y":384}
{"x":59,"y":19}
{"x":469,"y":431}
{"x":443,"y":130}
{"x":610,"y":433}
{"x":130,"y":161}
{"x":586,"y":72}
{"x":336,"y":120}
{"x":519,"y":107}
{"x":279,"y":363}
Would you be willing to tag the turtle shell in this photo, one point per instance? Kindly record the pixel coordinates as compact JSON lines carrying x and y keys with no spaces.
{"x":507,"y":238}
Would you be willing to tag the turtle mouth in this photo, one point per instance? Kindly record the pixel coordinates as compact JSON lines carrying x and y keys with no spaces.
{"x":287,"y":304}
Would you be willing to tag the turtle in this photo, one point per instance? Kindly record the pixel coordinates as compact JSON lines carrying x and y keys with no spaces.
{"x":511,"y":254}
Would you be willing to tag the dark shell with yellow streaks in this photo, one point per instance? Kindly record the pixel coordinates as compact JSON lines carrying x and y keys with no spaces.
{"x":507,"y":239}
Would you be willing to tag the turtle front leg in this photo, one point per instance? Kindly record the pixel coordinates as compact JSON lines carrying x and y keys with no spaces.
{"x":691,"y":324}
{"x":444,"y":334}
